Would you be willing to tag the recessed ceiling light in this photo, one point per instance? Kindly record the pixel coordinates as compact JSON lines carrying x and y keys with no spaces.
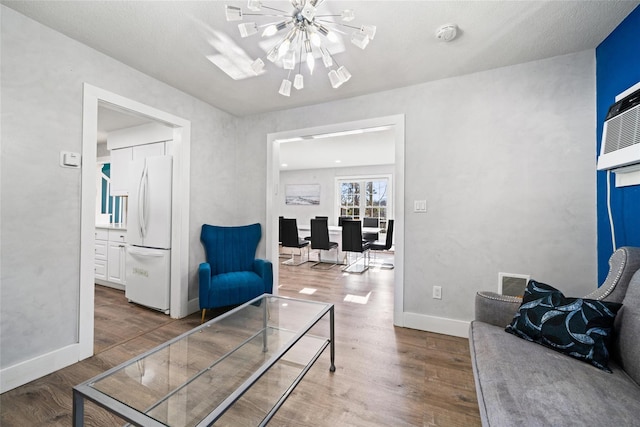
{"x":338,"y":161}
{"x":284,"y":165}
{"x":297,"y":138}
{"x":350,"y":132}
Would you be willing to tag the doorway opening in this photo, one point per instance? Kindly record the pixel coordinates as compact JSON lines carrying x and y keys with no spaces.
{"x":95,"y":98}
{"x":274,"y":190}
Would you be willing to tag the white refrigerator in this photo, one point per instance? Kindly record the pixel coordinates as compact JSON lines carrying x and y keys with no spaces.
{"x":148,"y":260}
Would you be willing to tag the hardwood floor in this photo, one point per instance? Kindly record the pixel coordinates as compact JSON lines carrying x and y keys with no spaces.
{"x":385,"y":376}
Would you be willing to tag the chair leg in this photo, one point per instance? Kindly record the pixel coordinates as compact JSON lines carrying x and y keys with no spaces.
{"x":291,"y":261}
{"x":352,"y":267}
{"x":322,"y":265}
{"x":204,"y":311}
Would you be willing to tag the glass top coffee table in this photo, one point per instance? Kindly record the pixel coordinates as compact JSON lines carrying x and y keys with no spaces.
{"x":236,"y":369}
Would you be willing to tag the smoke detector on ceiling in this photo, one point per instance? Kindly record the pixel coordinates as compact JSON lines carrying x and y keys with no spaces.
{"x":447,"y":32}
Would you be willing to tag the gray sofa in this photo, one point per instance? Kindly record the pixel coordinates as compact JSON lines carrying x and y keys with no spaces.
{"x":521,"y":383}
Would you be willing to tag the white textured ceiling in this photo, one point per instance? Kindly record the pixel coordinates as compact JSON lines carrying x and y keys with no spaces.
{"x":171,"y":40}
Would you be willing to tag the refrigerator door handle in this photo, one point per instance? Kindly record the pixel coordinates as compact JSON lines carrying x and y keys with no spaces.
{"x":145,"y":201}
{"x":142,"y":201}
{"x":143,"y":253}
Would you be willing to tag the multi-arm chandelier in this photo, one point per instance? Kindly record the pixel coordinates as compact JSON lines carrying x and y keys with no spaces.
{"x":306,"y":31}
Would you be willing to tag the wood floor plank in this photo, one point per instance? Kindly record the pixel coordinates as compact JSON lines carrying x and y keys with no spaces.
{"x":385,"y":376}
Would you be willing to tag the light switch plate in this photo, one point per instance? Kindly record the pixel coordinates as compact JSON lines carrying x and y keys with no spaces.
{"x":69,"y":159}
{"x":420,"y":206}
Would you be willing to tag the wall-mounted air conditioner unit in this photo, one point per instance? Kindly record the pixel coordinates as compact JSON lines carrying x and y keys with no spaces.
{"x":621,"y":134}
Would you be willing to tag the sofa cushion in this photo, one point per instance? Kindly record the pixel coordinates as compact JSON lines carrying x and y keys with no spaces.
{"x":578,"y":327}
{"x":627,"y":329}
{"x":520,"y":383}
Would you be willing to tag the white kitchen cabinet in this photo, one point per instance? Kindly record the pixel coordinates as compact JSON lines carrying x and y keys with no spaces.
{"x":120,"y":160}
{"x":148,"y":150}
{"x":110,"y":257}
{"x":102,"y":242}
{"x":116,"y":256}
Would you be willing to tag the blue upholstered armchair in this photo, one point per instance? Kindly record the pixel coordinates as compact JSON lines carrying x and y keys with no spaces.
{"x":231,"y":274}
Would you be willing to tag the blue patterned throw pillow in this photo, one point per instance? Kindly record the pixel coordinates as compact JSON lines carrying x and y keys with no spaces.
{"x":577,"y":327}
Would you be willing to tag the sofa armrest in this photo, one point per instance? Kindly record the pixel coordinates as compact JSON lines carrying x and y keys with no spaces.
{"x":496,"y":309}
{"x":204,"y":284}
{"x":264,"y":269}
{"x":623,"y":263}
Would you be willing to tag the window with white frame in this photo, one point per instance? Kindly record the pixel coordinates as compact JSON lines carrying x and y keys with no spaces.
{"x":112,"y":207}
{"x":368,"y":196}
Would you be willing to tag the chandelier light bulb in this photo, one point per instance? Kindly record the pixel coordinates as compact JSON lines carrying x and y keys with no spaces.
{"x":284,"y":47}
{"x":315,"y":39}
{"x":332,"y":37}
{"x":270,"y":30}
{"x":285,"y":88}
{"x":326,"y":58}
{"x":298,"y":81}
{"x":311,"y":62}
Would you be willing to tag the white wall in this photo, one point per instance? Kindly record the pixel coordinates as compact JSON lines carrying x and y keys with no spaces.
{"x":505,"y":159}
{"x":41,"y":87}
{"x":327,"y":180}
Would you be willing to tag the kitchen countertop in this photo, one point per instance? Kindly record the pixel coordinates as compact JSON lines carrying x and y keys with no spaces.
{"x":112,"y":226}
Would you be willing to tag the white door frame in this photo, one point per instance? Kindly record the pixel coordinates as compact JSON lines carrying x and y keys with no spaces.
{"x":181,"y":149}
{"x":273,"y":184}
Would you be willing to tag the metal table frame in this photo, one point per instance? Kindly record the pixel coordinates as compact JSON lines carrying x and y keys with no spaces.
{"x":85,"y":391}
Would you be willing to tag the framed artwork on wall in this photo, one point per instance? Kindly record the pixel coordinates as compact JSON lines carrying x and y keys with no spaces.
{"x":302,"y":194}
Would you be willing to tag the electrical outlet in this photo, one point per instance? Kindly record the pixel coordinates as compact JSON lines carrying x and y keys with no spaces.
{"x":437,"y":292}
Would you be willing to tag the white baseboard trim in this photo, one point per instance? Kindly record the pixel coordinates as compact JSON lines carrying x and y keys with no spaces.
{"x":193,"y":305}
{"x":117,"y":286}
{"x":439,"y":325}
{"x":29,"y":370}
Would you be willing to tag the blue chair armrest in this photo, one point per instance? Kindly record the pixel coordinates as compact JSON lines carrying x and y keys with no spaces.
{"x":204,"y":279}
{"x":264,"y":269}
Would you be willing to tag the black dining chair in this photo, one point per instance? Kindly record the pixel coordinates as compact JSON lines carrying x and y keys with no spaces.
{"x":320,"y":241}
{"x":290,"y":239}
{"x":384,"y":246}
{"x":352,"y":243}
{"x":371,"y":223}
{"x":342,"y":218}
{"x":317,"y":217}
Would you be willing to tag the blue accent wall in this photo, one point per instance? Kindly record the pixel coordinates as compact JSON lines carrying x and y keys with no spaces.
{"x":617,"y":69}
